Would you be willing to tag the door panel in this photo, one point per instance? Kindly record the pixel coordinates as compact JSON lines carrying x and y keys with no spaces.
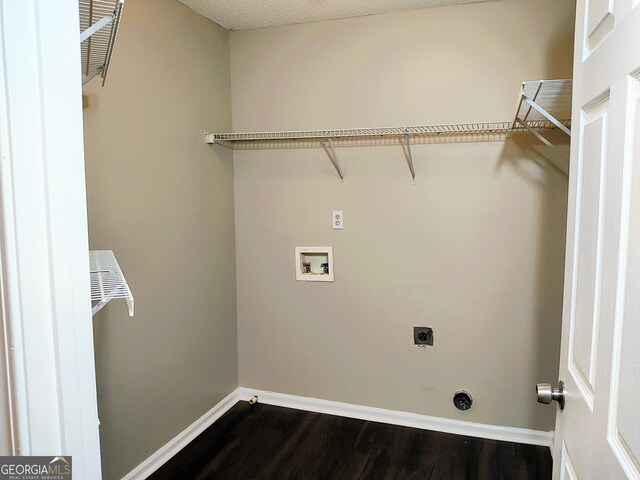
{"x":597,"y":12}
{"x":585,"y":319}
{"x":624,"y":422}
{"x":568,"y":472}
{"x":598,"y":433}
{"x":600,"y":21}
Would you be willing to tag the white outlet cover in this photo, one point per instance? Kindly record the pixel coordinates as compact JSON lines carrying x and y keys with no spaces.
{"x":337,"y":219}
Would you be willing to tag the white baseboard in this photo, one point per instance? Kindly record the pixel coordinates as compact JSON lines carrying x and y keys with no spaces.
{"x":405,"y":419}
{"x":393,"y":417}
{"x":181,"y":440}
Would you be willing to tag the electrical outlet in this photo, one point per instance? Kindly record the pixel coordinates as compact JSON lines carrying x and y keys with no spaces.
{"x":423,"y":335}
{"x":337,"y":219}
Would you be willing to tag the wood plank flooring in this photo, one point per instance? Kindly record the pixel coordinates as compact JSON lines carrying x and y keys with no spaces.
{"x":266,"y":442}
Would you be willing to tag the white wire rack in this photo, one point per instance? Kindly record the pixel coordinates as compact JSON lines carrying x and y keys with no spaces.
{"x":544,"y":100}
{"x":451,"y":129}
{"x":107,"y":281}
{"x":99,"y":22}
{"x":543,"y":105}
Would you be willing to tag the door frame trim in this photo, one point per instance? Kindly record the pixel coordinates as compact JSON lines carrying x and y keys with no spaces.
{"x":44,"y":235}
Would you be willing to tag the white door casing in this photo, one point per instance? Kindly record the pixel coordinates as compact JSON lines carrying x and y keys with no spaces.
{"x":46,"y":305}
{"x":598,"y":433}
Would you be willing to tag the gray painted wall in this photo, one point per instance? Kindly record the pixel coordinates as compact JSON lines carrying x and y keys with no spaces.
{"x":474,"y":249}
{"x":163,"y":201}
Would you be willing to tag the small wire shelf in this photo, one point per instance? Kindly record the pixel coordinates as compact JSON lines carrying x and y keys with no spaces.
{"x":99,"y":23}
{"x":107,"y":281}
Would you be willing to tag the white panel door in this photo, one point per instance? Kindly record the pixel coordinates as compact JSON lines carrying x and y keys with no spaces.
{"x":598,"y":433}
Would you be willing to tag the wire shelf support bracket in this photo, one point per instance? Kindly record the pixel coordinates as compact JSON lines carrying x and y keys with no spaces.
{"x":99,"y":23}
{"x":548,"y":116}
{"x":331,"y":152}
{"x":548,"y":100}
{"x":406,"y":148}
{"x":107,"y":281}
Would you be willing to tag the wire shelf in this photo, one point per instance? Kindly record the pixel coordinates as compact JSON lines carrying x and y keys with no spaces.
{"x":239,"y":140}
{"x":99,"y":23}
{"x":107,"y":280}
{"x":550,"y":96}
{"x":543,"y":105}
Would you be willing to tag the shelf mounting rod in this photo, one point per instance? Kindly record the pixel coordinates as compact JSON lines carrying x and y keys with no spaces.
{"x":534,"y":99}
{"x":407,"y":153}
{"x":536,"y":134}
{"x":331,"y":152}
{"x":103,"y":22}
{"x":548,"y":116}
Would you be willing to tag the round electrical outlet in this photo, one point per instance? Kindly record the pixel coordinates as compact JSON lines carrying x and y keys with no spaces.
{"x":462,"y":400}
{"x":423,"y":336}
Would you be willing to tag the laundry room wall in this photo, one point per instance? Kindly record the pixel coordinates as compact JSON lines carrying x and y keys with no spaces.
{"x":474,"y":249}
{"x":162,"y":200}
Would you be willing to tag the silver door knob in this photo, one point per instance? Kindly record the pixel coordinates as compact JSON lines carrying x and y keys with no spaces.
{"x":546,"y":393}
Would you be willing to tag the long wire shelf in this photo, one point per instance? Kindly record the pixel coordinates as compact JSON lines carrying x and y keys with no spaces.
{"x":230,"y":139}
{"x":543,"y":105}
{"x":107,"y":281}
{"x":99,"y":23}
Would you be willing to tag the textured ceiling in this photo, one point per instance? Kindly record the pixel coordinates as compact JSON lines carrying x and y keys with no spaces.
{"x":245,"y":14}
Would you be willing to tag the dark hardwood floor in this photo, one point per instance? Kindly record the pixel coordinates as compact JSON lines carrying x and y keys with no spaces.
{"x":265,"y":442}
